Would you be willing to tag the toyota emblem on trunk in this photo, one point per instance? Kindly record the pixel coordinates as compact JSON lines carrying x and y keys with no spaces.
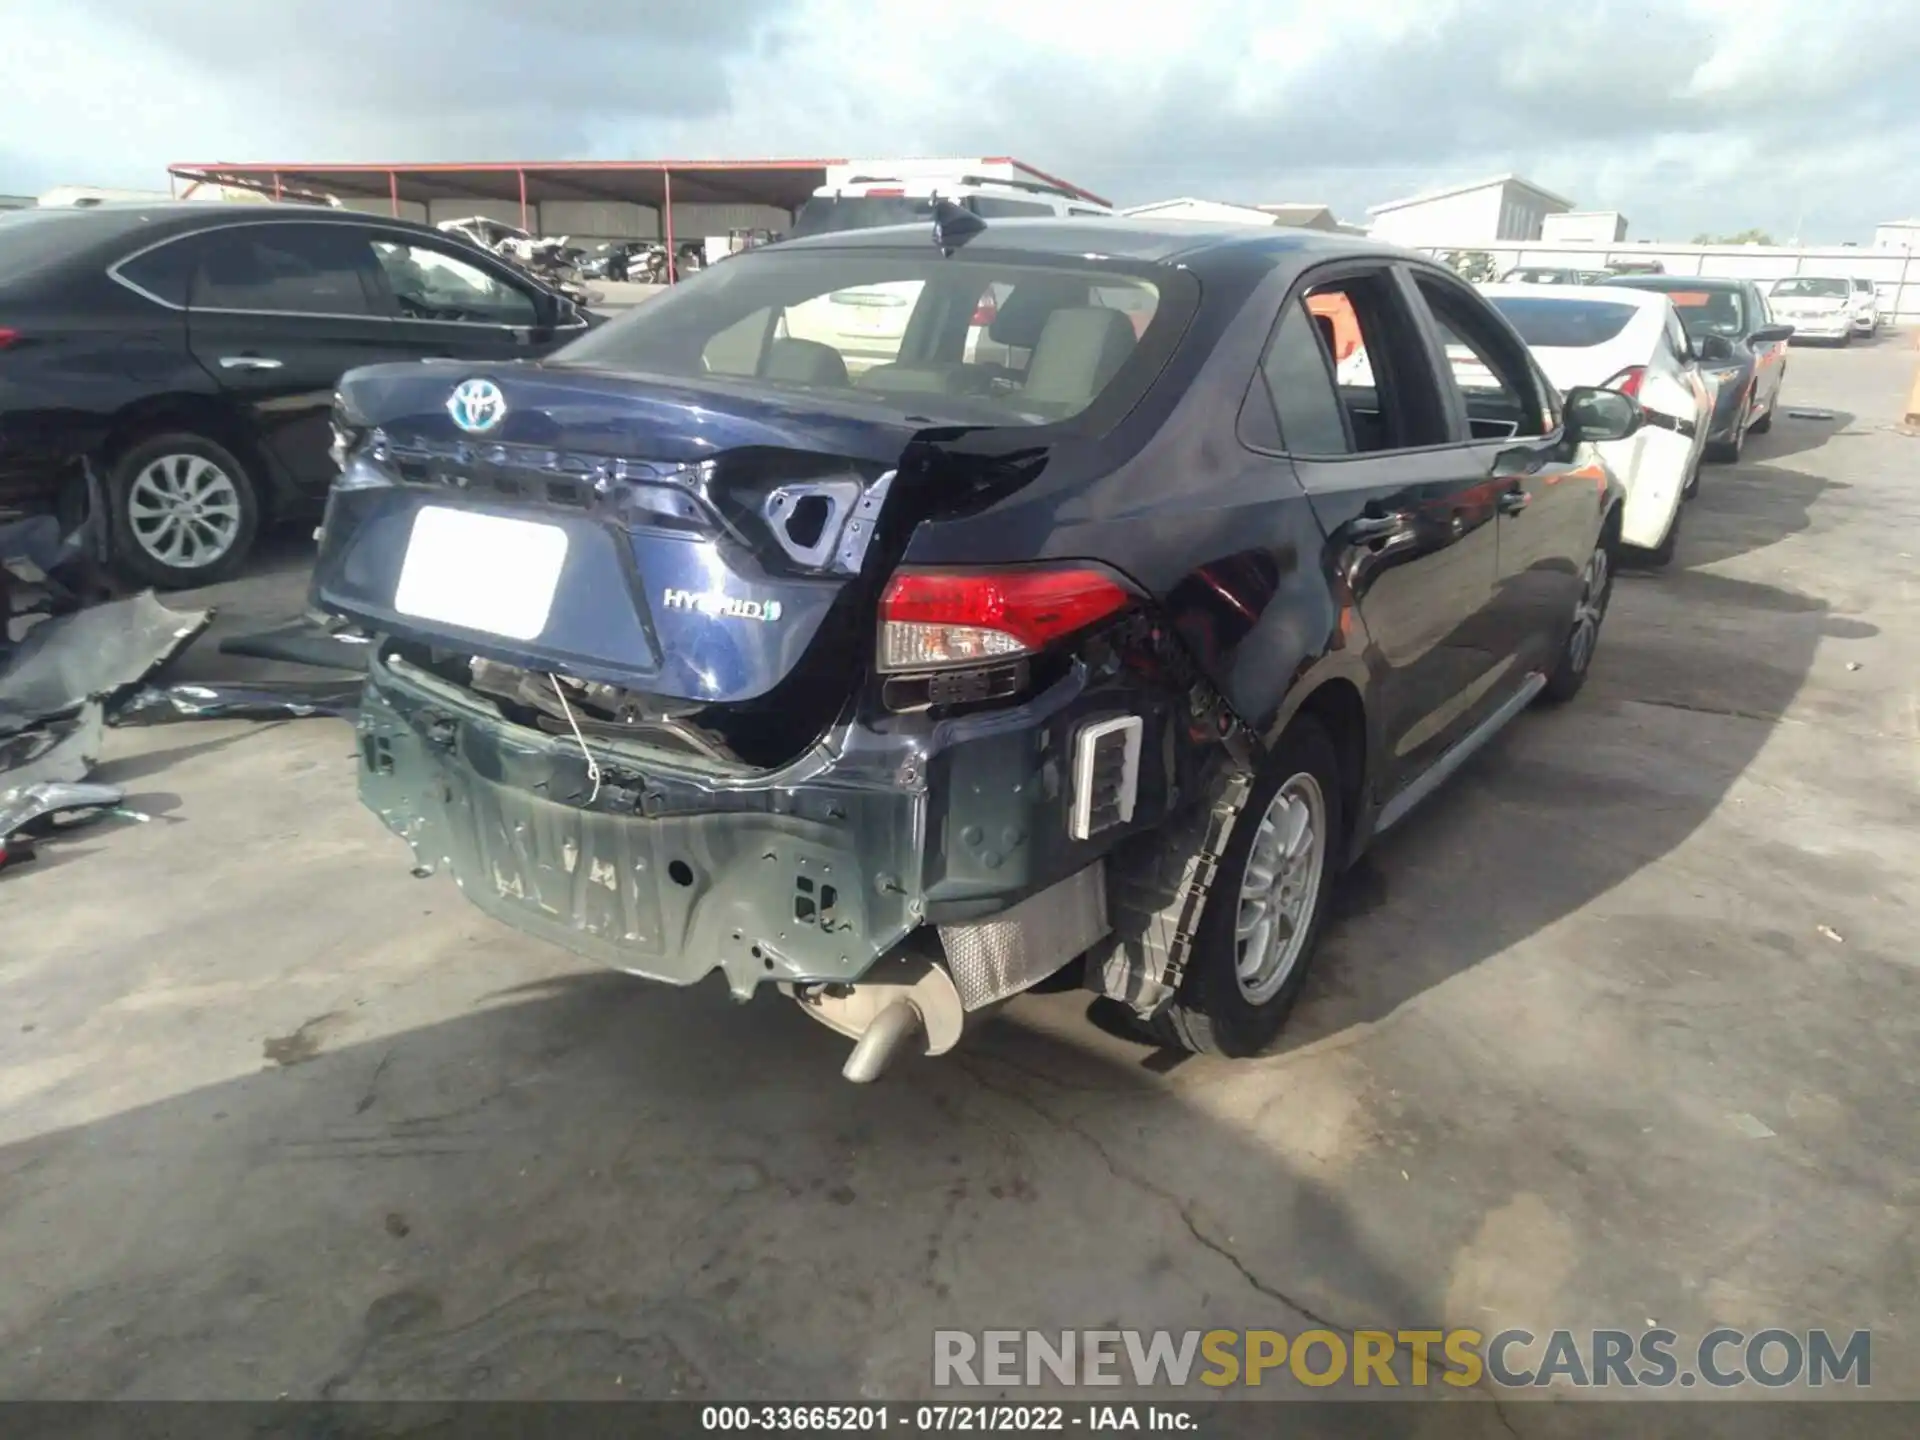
{"x":477,"y":405}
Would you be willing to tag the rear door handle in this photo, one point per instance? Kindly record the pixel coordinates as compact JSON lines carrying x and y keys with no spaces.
{"x":1512,"y":502}
{"x":248,"y":362}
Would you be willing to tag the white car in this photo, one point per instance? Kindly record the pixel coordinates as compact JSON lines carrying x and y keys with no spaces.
{"x":867,"y":324}
{"x":1865,"y":305}
{"x":1819,"y":307}
{"x":1631,"y":341}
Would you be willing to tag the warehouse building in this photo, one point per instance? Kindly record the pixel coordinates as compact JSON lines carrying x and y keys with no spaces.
{"x":1505,"y":207}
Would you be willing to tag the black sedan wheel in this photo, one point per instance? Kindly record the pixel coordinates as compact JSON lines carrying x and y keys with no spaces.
{"x":1583,"y":636}
{"x":183,"y":511}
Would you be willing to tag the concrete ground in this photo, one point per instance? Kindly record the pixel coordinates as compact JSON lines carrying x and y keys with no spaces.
{"x":1620,"y":1030}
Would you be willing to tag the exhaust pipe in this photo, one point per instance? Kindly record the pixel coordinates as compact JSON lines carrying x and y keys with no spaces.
{"x":907,"y":1002}
{"x":889,"y":1033}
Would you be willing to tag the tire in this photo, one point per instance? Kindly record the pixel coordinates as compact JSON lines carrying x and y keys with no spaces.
{"x":1764,"y":423}
{"x":1589,"y":615}
{"x":211,"y":535}
{"x":1728,"y":452}
{"x":1217,"y":1011}
{"x":1690,"y":487}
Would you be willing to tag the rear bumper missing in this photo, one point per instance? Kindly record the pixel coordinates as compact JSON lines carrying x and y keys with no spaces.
{"x":807,"y":874}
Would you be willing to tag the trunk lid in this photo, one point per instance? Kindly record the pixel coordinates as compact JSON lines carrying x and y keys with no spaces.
{"x":686,"y":540}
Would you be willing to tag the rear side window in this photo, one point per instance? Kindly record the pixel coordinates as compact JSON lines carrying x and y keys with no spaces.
{"x":1565,"y":324}
{"x":166,"y":271}
{"x":1863,"y":287}
{"x":282,"y":268}
{"x":1298,"y":374}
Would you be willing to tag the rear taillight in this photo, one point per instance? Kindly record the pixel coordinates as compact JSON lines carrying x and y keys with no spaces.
{"x":1629,"y":381}
{"x":985,"y":311}
{"x":930,"y":619}
{"x":888,"y":193}
{"x":9,"y":337}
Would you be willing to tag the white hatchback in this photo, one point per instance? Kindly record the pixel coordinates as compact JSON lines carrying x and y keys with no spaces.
{"x":1631,"y":341}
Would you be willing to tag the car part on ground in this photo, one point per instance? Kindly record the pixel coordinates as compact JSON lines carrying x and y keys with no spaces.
{"x":28,"y":813}
{"x":908,"y":686}
{"x":94,"y":654}
{"x":304,"y":642}
{"x":254,"y":700}
{"x":58,"y":748}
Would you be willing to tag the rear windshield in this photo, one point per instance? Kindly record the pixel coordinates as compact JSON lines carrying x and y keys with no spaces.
{"x":967,"y":339}
{"x":1564,"y":324}
{"x":1704,"y":309}
{"x":1812,"y":285}
{"x":825,"y":213}
{"x":31,"y":240}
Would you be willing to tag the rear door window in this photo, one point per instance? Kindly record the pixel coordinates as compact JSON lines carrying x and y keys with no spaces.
{"x":1344,"y":374}
{"x":288,"y":269}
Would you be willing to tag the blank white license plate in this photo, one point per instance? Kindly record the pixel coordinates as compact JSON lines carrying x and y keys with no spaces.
{"x":481,"y":572}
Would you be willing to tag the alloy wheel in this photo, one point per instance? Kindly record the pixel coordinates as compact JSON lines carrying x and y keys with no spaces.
{"x":1591,"y":610}
{"x":184,"y":511}
{"x":1280,"y":887}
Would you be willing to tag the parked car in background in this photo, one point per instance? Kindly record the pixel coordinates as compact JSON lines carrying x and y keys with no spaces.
{"x":906,"y":688}
{"x":1819,"y":307}
{"x":1548,"y":275}
{"x":1631,"y":341}
{"x":190,"y":352}
{"x":867,"y":323}
{"x":1865,"y":304}
{"x":1740,"y":346}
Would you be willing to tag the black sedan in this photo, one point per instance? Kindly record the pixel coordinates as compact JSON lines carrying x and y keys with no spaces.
{"x":906,"y":683}
{"x":1739,"y":346}
{"x":191,"y":352}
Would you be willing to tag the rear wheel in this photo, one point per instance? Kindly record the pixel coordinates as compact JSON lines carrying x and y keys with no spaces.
{"x":1764,"y":423}
{"x":1589,"y":613}
{"x":183,"y":511}
{"x":1266,"y":904}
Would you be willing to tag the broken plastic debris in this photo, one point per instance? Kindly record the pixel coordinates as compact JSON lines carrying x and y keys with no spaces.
{"x":1793,"y":414}
{"x":93,"y":654}
{"x":28,"y":805}
{"x":258,"y":700}
{"x":1751,"y":1126}
{"x":1831,"y":934}
{"x":1853,"y":664}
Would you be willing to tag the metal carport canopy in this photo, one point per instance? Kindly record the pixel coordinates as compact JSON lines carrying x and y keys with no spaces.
{"x":786,"y":184}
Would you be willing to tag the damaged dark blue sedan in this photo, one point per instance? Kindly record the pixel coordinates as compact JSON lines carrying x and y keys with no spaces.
{"x":909,"y":619}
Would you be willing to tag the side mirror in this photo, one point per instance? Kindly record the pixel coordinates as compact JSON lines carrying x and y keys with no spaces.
{"x":1593,"y":414}
{"x":1716,"y":347}
{"x":1770,"y":335}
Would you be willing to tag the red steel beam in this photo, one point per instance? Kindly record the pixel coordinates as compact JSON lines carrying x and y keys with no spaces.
{"x":666,"y":210}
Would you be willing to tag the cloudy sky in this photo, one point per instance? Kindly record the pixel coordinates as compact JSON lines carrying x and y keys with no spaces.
{"x":1688,"y":115}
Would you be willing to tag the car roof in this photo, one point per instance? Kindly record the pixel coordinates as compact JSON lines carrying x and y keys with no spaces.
{"x":1647,"y":300}
{"x":1116,"y":238}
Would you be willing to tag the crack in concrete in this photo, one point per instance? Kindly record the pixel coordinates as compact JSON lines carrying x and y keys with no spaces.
{"x":1200,"y":1237}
